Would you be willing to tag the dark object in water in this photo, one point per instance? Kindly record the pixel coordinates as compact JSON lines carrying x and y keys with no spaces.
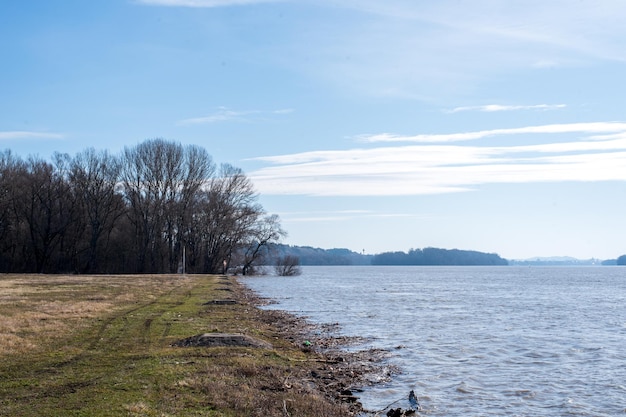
{"x":398,"y":412}
{"x":413,"y":400}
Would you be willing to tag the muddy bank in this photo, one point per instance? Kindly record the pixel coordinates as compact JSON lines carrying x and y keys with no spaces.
{"x":334,"y":365}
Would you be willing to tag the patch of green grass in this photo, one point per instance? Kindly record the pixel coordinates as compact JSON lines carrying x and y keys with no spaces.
{"x":102,"y":346}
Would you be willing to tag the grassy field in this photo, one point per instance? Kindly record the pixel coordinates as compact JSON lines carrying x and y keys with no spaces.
{"x":102,"y":346}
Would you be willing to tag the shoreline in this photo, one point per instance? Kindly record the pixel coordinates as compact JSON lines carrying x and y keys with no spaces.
{"x":169,"y":345}
{"x":337,"y":373}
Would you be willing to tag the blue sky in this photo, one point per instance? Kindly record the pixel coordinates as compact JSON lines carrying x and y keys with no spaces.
{"x":497,"y":126}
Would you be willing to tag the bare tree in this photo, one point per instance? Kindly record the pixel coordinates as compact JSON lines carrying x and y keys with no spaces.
{"x":227,"y":215}
{"x":288,"y":265}
{"x":264,"y":232}
{"x":10,"y":166}
{"x":136,"y":212}
{"x":93,"y":178}
{"x":135,"y":176}
{"x":161,"y":179}
{"x":149,"y":173}
{"x":198,"y":170}
{"x":43,"y":204}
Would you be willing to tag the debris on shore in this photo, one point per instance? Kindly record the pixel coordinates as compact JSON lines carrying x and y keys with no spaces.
{"x":336,"y":372}
{"x":222,"y":339}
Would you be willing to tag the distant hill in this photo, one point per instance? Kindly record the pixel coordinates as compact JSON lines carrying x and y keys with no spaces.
{"x":437,"y":256}
{"x":428,"y":256}
{"x":316,"y":256}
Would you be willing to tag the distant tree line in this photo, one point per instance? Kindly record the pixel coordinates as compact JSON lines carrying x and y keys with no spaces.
{"x":435,"y":256}
{"x":621,"y":260}
{"x":428,"y":256}
{"x":317,"y":256}
{"x":158,"y":207}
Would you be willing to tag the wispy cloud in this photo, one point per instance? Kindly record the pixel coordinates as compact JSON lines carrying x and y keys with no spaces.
{"x":223,"y":114}
{"x":431,"y":49}
{"x":340,"y":216}
{"x":589,"y":128}
{"x":434,"y":49}
{"x":21,"y":134}
{"x":283,"y":111}
{"x":435,"y":169}
{"x":322,"y":216}
{"x":499,"y":107}
{"x":202,"y":3}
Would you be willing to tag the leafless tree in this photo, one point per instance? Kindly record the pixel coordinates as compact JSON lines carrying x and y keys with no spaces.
{"x":264,"y":232}
{"x":9,"y":224}
{"x":43,"y":205}
{"x":136,"y":212}
{"x":287,"y":266}
{"x":198,"y":169}
{"x":93,"y":178}
{"x":227,"y":214}
{"x":161,"y":179}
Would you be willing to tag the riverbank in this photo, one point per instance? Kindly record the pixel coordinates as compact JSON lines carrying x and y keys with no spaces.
{"x":336,"y":368}
{"x":130,"y":345}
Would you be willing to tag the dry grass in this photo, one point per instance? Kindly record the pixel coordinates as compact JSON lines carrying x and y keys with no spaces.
{"x":102,"y":346}
{"x":38,"y":309}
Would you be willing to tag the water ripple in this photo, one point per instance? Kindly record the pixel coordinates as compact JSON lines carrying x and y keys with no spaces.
{"x":479,"y":341}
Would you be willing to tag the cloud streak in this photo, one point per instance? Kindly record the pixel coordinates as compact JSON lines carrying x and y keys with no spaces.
{"x":596,"y":127}
{"x":490,"y":108}
{"x":226,"y":115}
{"x":428,"y":50}
{"x":437,"y":169}
{"x":21,"y":134}
{"x":341,"y":216}
{"x":433,"y":50}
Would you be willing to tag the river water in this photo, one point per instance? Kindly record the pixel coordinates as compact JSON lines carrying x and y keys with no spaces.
{"x":477,"y":341}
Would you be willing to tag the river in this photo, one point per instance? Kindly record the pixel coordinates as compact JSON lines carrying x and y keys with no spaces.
{"x":490,"y":341}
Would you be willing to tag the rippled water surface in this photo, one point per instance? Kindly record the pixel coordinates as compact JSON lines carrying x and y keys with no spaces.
{"x":489,"y":341}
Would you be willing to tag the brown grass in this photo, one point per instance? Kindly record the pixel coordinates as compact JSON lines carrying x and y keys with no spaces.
{"x":102,"y":346}
{"x":38,"y":309}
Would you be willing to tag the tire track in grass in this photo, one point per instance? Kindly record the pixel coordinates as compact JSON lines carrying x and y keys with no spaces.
{"x":107,"y":354}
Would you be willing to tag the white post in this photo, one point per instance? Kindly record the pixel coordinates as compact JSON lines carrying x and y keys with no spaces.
{"x":184,"y":261}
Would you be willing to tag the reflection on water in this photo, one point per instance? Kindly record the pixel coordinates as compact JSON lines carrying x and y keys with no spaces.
{"x":478,"y":340}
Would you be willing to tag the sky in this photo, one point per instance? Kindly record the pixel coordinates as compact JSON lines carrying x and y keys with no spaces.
{"x":496,"y":126}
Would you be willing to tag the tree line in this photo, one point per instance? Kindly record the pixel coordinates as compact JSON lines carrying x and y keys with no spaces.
{"x":316,"y":256}
{"x":427,"y":256}
{"x":157,"y":207}
{"x":436,"y":256}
